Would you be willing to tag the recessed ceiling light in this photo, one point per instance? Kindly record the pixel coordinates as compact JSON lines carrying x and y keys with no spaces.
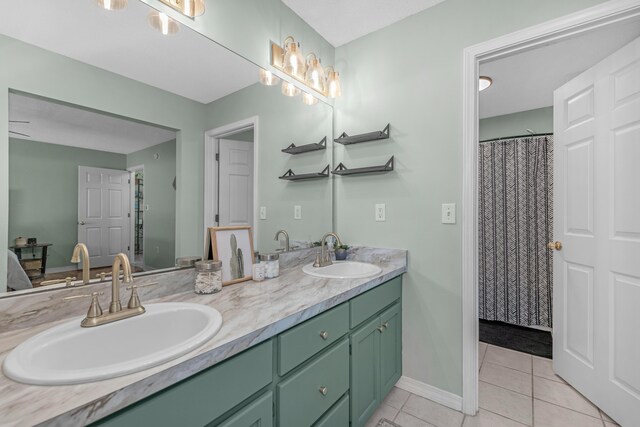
{"x":484,"y":82}
{"x":113,"y":4}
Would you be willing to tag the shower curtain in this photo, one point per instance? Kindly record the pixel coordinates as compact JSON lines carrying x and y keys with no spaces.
{"x":515,"y":225}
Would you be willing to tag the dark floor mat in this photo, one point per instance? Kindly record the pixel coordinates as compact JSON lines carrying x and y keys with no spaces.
{"x":519,"y":338}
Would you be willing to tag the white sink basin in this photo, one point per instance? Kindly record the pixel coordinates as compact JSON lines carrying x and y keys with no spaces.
{"x":343,"y":270}
{"x":70,"y":354}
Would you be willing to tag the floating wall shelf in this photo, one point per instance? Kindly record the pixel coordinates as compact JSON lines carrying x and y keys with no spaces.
{"x":290,"y":176}
{"x":292,"y":149}
{"x":345,"y":139}
{"x":341,"y":169}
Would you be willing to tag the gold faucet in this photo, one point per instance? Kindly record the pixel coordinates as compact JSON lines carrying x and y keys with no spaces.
{"x":324,"y":257}
{"x":81,"y":248}
{"x":286,"y":239}
{"x":95,"y":316}
{"x":121,"y":260}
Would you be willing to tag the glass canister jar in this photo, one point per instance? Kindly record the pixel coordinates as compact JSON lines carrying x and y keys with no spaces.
{"x":271,"y":264}
{"x":209,"y":278}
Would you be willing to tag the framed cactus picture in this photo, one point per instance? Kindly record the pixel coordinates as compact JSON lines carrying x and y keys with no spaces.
{"x":234,"y":247}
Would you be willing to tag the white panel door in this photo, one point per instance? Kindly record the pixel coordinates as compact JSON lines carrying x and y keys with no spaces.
{"x":103,"y":213}
{"x":235,"y":193}
{"x":596,"y":310}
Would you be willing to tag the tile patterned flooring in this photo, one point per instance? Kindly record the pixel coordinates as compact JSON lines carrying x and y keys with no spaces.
{"x":516,"y":390}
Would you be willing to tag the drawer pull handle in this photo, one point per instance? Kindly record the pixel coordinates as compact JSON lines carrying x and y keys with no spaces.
{"x":324,"y":335}
{"x":385,"y":325}
{"x":380,"y":329}
{"x":323,"y":391}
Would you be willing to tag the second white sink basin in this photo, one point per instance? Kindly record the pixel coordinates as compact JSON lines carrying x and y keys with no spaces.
{"x":343,"y":270}
{"x":70,"y":354}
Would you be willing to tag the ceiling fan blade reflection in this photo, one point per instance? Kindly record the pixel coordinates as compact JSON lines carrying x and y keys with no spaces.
{"x":18,"y":133}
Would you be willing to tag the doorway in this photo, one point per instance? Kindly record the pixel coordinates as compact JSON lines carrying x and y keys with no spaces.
{"x":136,"y":179}
{"x":562,"y":29}
{"x":231,"y":172}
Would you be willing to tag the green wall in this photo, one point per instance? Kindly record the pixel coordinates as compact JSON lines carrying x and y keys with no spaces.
{"x":37,"y":71}
{"x":282,"y":121}
{"x":539,"y":120}
{"x":158,"y":192}
{"x":410,"y":74}
{"x":43,"y":193}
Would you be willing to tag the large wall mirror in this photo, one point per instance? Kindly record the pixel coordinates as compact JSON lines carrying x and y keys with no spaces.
{"x":126,"y":139}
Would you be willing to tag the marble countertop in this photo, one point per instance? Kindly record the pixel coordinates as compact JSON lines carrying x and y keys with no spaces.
{"x":252,"y":312}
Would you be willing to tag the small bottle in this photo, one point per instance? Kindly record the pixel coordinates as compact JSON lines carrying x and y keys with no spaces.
{"x":271,"y":265}
{"x":258,"y":272}
{"x":209,"y":279}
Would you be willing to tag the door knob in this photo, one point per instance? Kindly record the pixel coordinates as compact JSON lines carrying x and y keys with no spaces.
{"x":323,"y":390}
{"x":555,"y":245}
{"x":324,"y":335}
{"x":81,"y":223}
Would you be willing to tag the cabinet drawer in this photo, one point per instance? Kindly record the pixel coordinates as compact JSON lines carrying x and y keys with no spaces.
{"x":300,"y":399}
{"x":338,"y":416}
{"x":371,"y":302}
{"x":258,"y":413}
{"x":202,"y":398}
{"x":302,"y":342}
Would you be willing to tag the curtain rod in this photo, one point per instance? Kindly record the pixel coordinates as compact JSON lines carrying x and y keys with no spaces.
{"x":518,"y":136}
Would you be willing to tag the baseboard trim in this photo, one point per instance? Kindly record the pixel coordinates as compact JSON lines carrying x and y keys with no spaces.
{"x":430,"y":392}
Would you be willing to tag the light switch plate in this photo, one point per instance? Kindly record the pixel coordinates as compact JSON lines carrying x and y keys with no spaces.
{"x":381,"y":212}
{"x":297,"y":212}
{"x":263,"y":212}
{"x":448,"y":213}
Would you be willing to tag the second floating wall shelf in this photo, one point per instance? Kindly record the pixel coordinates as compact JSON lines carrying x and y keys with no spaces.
{"x":345,"y":139}
{"x":291,"y":176}
{"x":341,"y":169}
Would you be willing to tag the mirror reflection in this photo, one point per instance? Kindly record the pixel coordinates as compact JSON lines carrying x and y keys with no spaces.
{"x":126,"y":139}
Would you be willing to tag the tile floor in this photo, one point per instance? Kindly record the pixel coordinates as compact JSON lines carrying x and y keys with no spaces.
{"x":516,"y":389}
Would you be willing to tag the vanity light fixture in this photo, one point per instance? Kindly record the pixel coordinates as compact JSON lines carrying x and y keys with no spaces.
{"x":190,"y":8}
{"x":267,"y":78}
{"x":288,"y":59}
{"x":484,"y":82}
{"x":112,"y":4}
{"x":333,"y":83}
{"x":289,"y":89}
{"x":163,"y":23}
{"x":309,"y":99}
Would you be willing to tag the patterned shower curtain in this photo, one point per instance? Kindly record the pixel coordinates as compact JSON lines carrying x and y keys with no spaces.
{"x":516,"y":223}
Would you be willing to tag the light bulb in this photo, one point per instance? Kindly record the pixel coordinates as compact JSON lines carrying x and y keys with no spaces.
{"x":333,"y":82}
{"x":267,"y":78}
{"x":309,"y":99}
{"x":193,"y":8}
{"x":289,"y":89}
{"x":293,"y":61}
{"x":315,"y":75}
{"x":163,"y":23}
{"x":484,"y":82}
{"x":112,"y":4}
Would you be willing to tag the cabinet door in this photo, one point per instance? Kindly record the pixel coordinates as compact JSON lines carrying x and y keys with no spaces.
{"x":365,"y":372}
{"x":256,"y":414}
{"x":390,"y":349}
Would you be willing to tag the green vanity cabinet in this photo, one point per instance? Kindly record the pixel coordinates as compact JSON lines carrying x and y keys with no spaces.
{"x":257,"y":414}
{"x":376,"y":350}
{"x":332,"y":370}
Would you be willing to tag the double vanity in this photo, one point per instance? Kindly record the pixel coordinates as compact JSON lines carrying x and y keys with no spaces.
{"x":315,"y":346}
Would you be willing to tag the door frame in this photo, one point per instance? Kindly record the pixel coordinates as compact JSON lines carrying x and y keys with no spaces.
{"x":211,"y":143}
{"x":610,"y":12}
{"x":132,"y":215}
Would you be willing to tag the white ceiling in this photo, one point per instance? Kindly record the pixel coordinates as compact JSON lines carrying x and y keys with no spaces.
{"x":526,"y":81}
{"x":186,"y":64}
{"x":62,"y":124}
{"x":341,"y":21}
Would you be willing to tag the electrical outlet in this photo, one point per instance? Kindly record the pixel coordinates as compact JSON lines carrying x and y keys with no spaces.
{"x":448,"y":213}
{"x":381,"y":212}
{"x":297,"y":212}
{"x":263,"y":212}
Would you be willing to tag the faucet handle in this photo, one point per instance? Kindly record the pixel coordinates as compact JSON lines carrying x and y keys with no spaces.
{"x":94,"y":309}
{"x":134,"y":300}
{"x":318,"y":260}
{"x":102,"y":276}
